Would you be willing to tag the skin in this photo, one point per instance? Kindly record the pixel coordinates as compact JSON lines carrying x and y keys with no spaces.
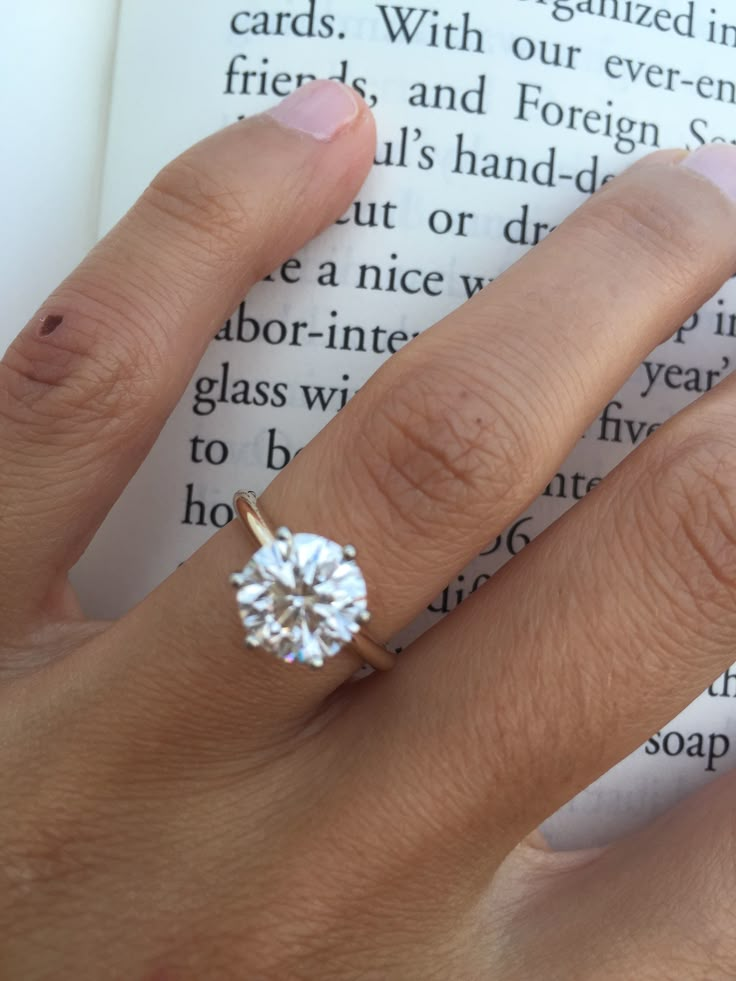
{"x":175,"y":808}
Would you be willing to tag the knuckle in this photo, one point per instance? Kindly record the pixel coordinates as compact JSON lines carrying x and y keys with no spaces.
{"x":693,"y":501}
{"x":210,"y":214}
{"x":647,"y":219}
{"x":97,"y":366}
{"x":440,"y":441}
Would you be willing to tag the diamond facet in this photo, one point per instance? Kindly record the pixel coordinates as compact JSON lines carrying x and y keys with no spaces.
{"x":300,"y":598}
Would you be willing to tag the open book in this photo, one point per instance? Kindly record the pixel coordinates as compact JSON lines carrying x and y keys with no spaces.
{"x":495,"y":120}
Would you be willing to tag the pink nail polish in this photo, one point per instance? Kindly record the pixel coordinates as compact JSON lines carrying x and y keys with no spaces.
{"x":321,"y":108}
{"x":717,"y":162}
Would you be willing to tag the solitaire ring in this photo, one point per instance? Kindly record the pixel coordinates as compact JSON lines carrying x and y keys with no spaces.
{"x":302,"y":597}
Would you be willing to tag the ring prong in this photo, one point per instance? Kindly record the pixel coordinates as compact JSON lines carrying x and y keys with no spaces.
{"x":349,"y":551}
{"x":236,"y":580}
{"x":285,"y":539}
{"x":251,"y":641}
{"x":364,"y":616}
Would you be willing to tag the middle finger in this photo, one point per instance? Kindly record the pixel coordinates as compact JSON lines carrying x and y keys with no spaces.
{"x":461,"y":430}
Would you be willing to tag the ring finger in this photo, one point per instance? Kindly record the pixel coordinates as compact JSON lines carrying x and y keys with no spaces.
{"x":461,"y":429}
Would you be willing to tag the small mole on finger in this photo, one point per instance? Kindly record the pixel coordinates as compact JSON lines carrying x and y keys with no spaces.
{"x":49,"y":323}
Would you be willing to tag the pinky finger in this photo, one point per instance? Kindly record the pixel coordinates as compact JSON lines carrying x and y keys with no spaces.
{"x":86,"y":387}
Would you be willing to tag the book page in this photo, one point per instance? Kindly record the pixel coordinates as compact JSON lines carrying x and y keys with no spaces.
{"x":495,"y":121}
{"x":55,"y":74}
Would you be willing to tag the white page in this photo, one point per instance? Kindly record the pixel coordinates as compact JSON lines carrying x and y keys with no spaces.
{"x":55,"y":73}
{"x":170,"y":90}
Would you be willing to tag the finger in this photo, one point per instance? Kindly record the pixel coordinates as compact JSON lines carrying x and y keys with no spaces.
{"x":595,"y":636}
{"x":89,"y":382}
{"x":462,"y":428}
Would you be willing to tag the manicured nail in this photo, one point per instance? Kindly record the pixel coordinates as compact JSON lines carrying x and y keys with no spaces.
{"x":717,"y":162}
{"x":321,"y":108}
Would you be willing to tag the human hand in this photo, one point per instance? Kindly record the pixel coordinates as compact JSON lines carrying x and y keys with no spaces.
{"x":176,"y":807}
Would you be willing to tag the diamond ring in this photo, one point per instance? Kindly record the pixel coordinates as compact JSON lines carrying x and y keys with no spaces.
{"x":302,"y":597}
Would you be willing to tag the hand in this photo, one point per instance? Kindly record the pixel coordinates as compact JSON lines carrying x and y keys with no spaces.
{"x":175,"y":806}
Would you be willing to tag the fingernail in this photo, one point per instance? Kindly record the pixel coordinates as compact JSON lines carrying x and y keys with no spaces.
{"x":321,"y":108}
{"x":717,"y":162}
